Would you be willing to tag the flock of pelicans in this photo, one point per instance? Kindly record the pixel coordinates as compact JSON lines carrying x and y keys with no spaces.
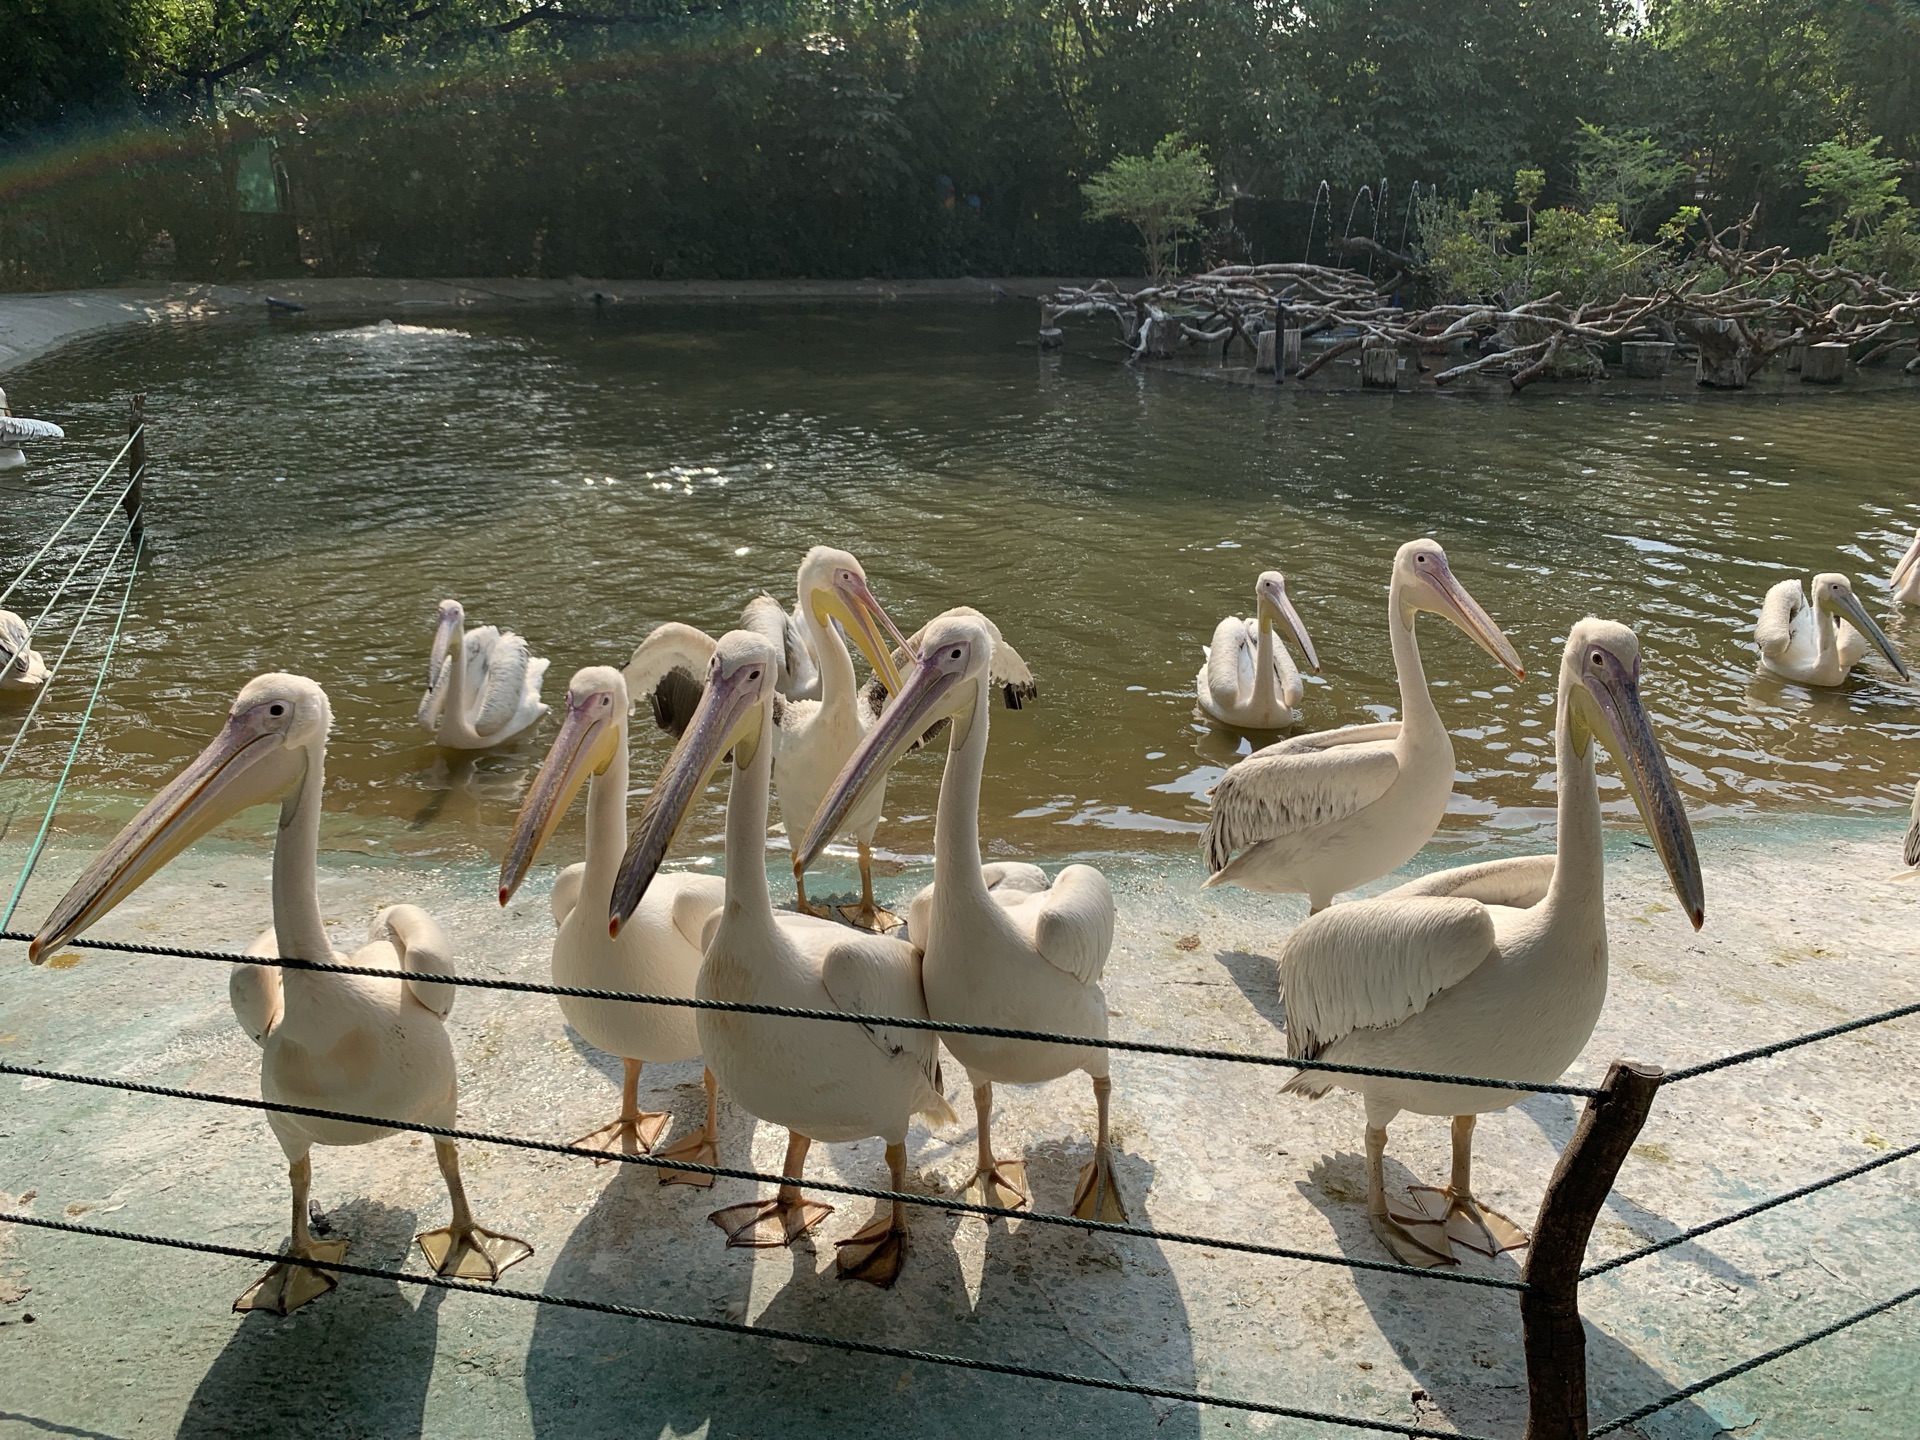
{"x":1494,"y":969}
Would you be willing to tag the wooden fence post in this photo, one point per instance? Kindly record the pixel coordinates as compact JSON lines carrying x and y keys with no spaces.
{"x":136,"y":465}
{"x":1550,"y":1305}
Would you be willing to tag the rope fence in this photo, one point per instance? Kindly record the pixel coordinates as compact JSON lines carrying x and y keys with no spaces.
{"x":139,"y":433}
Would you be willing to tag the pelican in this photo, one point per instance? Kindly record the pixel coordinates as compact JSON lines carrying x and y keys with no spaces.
{"x":483,"y":685}
{"x":657,"y":953}
{"x":812,"y":738}
{"x":1007,"y":673}
{"x":1811,"y":643}
{"x":1324,"y":813}
{"x":21,"y":667}
{"x":1496,"y":970}
{"x":799,"y":667}
{"x":1249,"y":681}
{"x":337,"y":1042}
{"x":1905,"y":581}
{"x":821,"y":1079}
{"x":1003,"y":946}
{"x":15,"y":431}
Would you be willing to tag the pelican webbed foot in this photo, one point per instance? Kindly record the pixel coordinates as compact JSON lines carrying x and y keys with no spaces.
{"x":1466,"y":1221}
{"x":1003,"y":1184}
{"x":290,"y":1284}
{"x":1413,"y":1239}
{"x":698,"y":1147}
{"x":764,"y":1224}
{"x":876,"y":918}
{"x":1097,"y":1196}
{"x":628,"y":1135}
{"x":876,"y":1252}
{"x":472,"y":1252}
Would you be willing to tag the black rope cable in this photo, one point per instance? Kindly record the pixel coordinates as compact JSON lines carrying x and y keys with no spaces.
{"x":942,"y":1027}
{"x":1763,"y":1051}
{"x":1747,"y":1214}
{"x":1633,"y":1417}
{"x":736,"y":1327}
{"x":937,"y":1202}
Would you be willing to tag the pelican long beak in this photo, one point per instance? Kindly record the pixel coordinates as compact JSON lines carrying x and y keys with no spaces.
{"x":1615,"y":691}
{"x":444,"y":631}
{"x":849,"y":601}
{"x":727,"y":719}
{"x":926,"y":697}
{"x":1463,"y":610}
{"x":1849,"y":605}
{"x":586,"y":744}
{"x":230,"y":775}
{"x":1905,"y":567}
{"x":1281,"y":607}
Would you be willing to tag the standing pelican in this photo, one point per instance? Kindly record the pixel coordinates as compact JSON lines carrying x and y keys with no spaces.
{"x":656,"y":953}
{"x":1001,"y":949}
{"x":1905,"y":581}
{"x":1324,"y":813}
{"x":483,"y":685}
{"x":21,"y":667}
{"x":1249,"y":680}
{"x":821,"y":1079}
{"x":15,"y":431}
{"x":1810,"y":643}
{"x":1496,"y":970}
{"x":332,"y":1041}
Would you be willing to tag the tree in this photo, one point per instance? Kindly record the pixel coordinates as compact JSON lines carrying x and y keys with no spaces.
{"x":1625,"y":169}
{"x":1870,"y":223}
{"x":1161,"y":195}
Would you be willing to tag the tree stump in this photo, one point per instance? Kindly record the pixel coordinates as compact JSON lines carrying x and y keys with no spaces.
{"x":1645,"y":359}
{"x":1051,"y":338}
{"x":1727,"y":357}
{"x":1158,"y":337}
{"x":1263,"y":362}
{"x":1290,"y":354}
{"x":1380,"y":365}
{"x":1824,"y":364}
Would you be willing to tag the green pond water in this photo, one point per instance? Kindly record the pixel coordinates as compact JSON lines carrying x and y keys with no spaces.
{"x":318,"y":485}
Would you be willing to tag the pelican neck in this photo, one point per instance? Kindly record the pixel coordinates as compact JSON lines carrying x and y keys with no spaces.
{"x":830,"y":655}
{"x":299,"y":933}
{"x":1419,"y":719}
{"x":607,"y":820}
{"x":747,"y":893}
{"x":956,"y":830}
{"x":1266,"y":685}
{"x":1579,"y":871}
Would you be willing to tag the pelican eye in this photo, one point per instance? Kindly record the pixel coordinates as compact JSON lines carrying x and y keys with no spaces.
{"x":276,"y":708}
{"x":1599,"y":659}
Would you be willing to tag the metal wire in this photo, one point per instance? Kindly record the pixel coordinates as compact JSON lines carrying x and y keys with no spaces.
{"x":1761,"y":1052}
{"x":86,"y":716}
{"x":1747,"y":1214}
{"x":72,"y":514}
{"x":936,"y":1202}
{"x":1633,"y":1417}
{"x":760,"y":1332}
{"x":940,"y":1027}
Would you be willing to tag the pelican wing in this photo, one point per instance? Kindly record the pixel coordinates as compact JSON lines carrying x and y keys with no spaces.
{"x":15,"y":637}
{"x":1374,"y":963}
{"x":799,"y":673}
{"x":1230,"y":659}
{"x":255,"y":991}
{"x":1773,"y":632}
{"x":567,"y":886}
{"x":669,"y":672}
{"x":510,"y":668}
{"x":1007,"y":672}
{"x":15,"y":431}
{"x":1070,"y":923}
{"x":874,"y":975}
{"x":423,"y":950}
{"x":1521,"y":882}
{"x":697,"y":899}
{"x":1295,"y":785}
{"x":1912,"y":849}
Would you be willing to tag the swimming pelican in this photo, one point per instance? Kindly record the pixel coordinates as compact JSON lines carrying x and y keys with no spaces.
{"x":21,"y":667}
{"x":1810,"y":643}
{"x":812,"y":738}
{"x":1003,"y":946}
{"x":1249,"y":681}
{"x":820,"y":1079}
{"x":657,"y":953}
{"x":1905,"y":581}
{"x":1324,"y":813}
{"x":16,"y":431}
{"x":1496,"y":970}
{"x":483,"y":686}
{"x":337,"y":1042}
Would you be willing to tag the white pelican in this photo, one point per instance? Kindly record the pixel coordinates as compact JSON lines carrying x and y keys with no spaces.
{"x":1905,"y":581}
{"x":1002,"y":946}
{"x":15,"y":432}
{"x":812,"y":738}
{"x":1811,"y":643}
{"x":1496,"y":970}
{"x":1249,"y":681}
{"x":21,"y":667}
{"x":657,"y":952}
{"x":337,"y":1042}
{"x":1324,"y":813}
{"x":799,"y":668}
{"x":1007,"y":672}
{"x":483,"y":686}
{"x":821,"y":1079}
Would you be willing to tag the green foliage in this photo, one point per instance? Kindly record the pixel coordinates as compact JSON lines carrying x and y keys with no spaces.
{"x":1161,"y":195}
{"x":1581,"y":255}
{"x":1625,"y":171}
{"x":1870,"y":223}
{"x":1465,"y":246}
